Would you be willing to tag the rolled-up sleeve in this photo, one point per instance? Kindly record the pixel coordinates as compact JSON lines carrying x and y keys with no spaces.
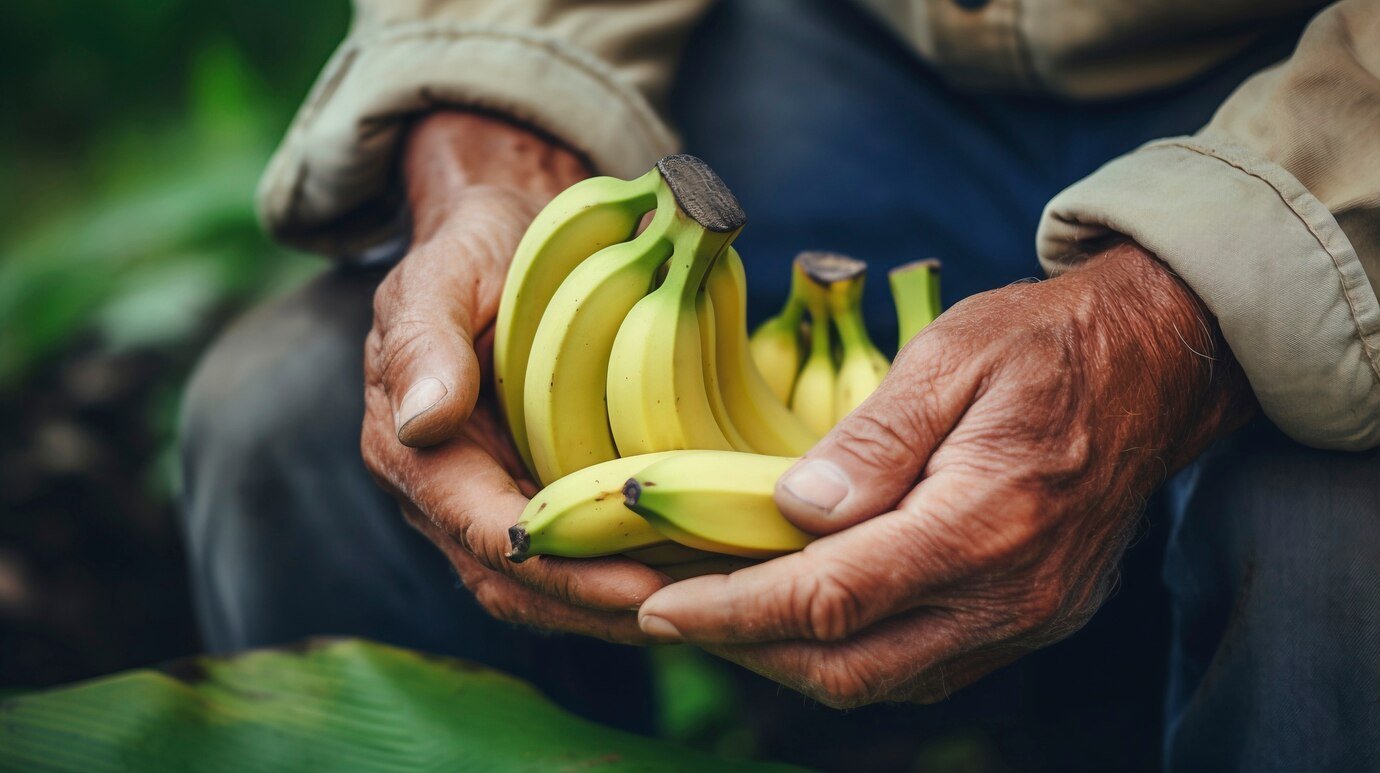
{"x":1271,"y":214}
{"x":592,"y":74}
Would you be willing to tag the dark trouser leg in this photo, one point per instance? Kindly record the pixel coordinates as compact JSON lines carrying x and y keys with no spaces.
{"x":1274,"y":564}
{"x":289,"y":537}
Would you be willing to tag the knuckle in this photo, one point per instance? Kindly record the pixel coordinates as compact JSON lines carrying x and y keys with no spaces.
{"x":876,"y":443}
{"x":842,"y":683}
{"x":828,"y":607}
{"x":498,"y":602}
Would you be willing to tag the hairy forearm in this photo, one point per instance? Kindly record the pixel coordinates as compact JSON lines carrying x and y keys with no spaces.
{"x":450,"y":152}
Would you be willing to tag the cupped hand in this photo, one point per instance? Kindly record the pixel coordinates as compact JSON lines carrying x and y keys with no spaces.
{"x":976,"y":505}
{"x":432,"y":434}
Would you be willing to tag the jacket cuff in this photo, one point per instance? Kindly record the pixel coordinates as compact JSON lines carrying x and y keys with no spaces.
{"x":332,"y":185}
{"x":1265,"y":256}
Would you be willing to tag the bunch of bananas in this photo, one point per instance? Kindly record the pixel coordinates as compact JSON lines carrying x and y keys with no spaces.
{"x":626,"y":375}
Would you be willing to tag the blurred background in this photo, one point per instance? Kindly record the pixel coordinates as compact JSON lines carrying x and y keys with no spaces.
{"x":134,"y":136}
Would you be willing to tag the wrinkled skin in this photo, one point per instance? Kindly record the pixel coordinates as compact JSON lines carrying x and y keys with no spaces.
{"x":991,"y":483}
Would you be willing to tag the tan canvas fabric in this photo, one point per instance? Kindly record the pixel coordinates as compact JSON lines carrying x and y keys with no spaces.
{"x":1270,"y":213}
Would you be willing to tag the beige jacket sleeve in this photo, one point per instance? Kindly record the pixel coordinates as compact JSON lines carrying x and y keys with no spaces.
{"x":1272,"y":215}
{"x":593,"y":73}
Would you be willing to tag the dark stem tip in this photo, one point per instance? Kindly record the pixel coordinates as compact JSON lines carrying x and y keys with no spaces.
{"x":632,"y":490}
{"x":701,"y":194}
{"x":827,"y":268}
{"x":519,"y":541}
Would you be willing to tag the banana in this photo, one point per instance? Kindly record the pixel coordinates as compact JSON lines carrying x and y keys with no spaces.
{"x":564,"y":409}
{"x":578,"y":222}
{"x":763,"y":419}
{"x":657,"y":399}
{"x":582,"y":515}
{"x":713,"y":388}
{"x":813,"y":397}
{"x":718,"y":501}
{"x":775,"y":344}
{"x":915,"y":289}
{"x":862,"y":366}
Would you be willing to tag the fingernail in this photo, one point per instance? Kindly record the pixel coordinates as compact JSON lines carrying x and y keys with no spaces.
{"x":818,"y":483}
{"x":658,"y":627}
{"x":419,"y":399}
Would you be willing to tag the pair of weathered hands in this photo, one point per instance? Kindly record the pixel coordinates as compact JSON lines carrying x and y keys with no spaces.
{"x":976,"y":504}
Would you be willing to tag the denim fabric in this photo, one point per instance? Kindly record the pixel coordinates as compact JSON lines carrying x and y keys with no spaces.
{"x":835,"y":136}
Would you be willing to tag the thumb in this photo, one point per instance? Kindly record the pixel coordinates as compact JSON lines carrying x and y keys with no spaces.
{"x":869,"y":460}
{"x":425,"y":363}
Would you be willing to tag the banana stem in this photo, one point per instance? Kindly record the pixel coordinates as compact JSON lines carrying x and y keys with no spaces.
{"x":915,"y":290}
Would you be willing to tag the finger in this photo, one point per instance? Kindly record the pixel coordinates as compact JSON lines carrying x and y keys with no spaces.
{"x":512,"y":602}
{"x":834,"y":587}
{"x":421,"y":357}
{"x":906,"y":658}
{"x":469,"y":496}
{"x":876,"y":454}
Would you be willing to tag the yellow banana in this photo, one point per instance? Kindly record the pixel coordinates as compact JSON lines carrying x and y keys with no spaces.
{"x":915,"y":289}
{"x":813,"y":397}
{"x":582,"y":515}
{"x":713,"y":388}
{"x":862,"y":367}
{"x":775,"y":344}
{"x":718,"y":501}
{"x":586,"y":217}
{"x":763,"y":419}
{"x":567,"y":420}
{"x":657,"y":400}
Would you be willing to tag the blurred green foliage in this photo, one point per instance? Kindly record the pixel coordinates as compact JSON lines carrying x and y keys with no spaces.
{"x":137,"y":133}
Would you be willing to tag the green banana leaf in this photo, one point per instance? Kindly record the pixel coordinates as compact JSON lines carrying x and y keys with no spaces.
{"x":328,"y":705}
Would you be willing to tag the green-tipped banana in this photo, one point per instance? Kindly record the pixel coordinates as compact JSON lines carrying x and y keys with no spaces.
{"x":657,"y":399}
{"x":567,"y":420}
{"x":582,"y":515}
{"x":915,"y":289}
{"x":775,"y":344}
{"x":718,"y":501}
{"x":713,"y":383}
{"x":763,"y":419}
{"x":813,"y":397}
{"x":586,"y":217}
{"x":862,"y":367}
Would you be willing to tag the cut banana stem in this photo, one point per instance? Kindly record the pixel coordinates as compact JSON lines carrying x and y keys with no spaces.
{"x":657,"y":397}
{"x":763,"y":419}
{"x":582,"y":515}
{"x":776,"y":344}
{"x":583,"y":219}
{"x":717,"y":501}
{"x":915,"y":290}
{"x":564,"y":407}
{"x":862,"y":366}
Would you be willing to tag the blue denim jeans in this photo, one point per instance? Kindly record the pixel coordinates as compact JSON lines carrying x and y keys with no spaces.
{"x":835,"y":136}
